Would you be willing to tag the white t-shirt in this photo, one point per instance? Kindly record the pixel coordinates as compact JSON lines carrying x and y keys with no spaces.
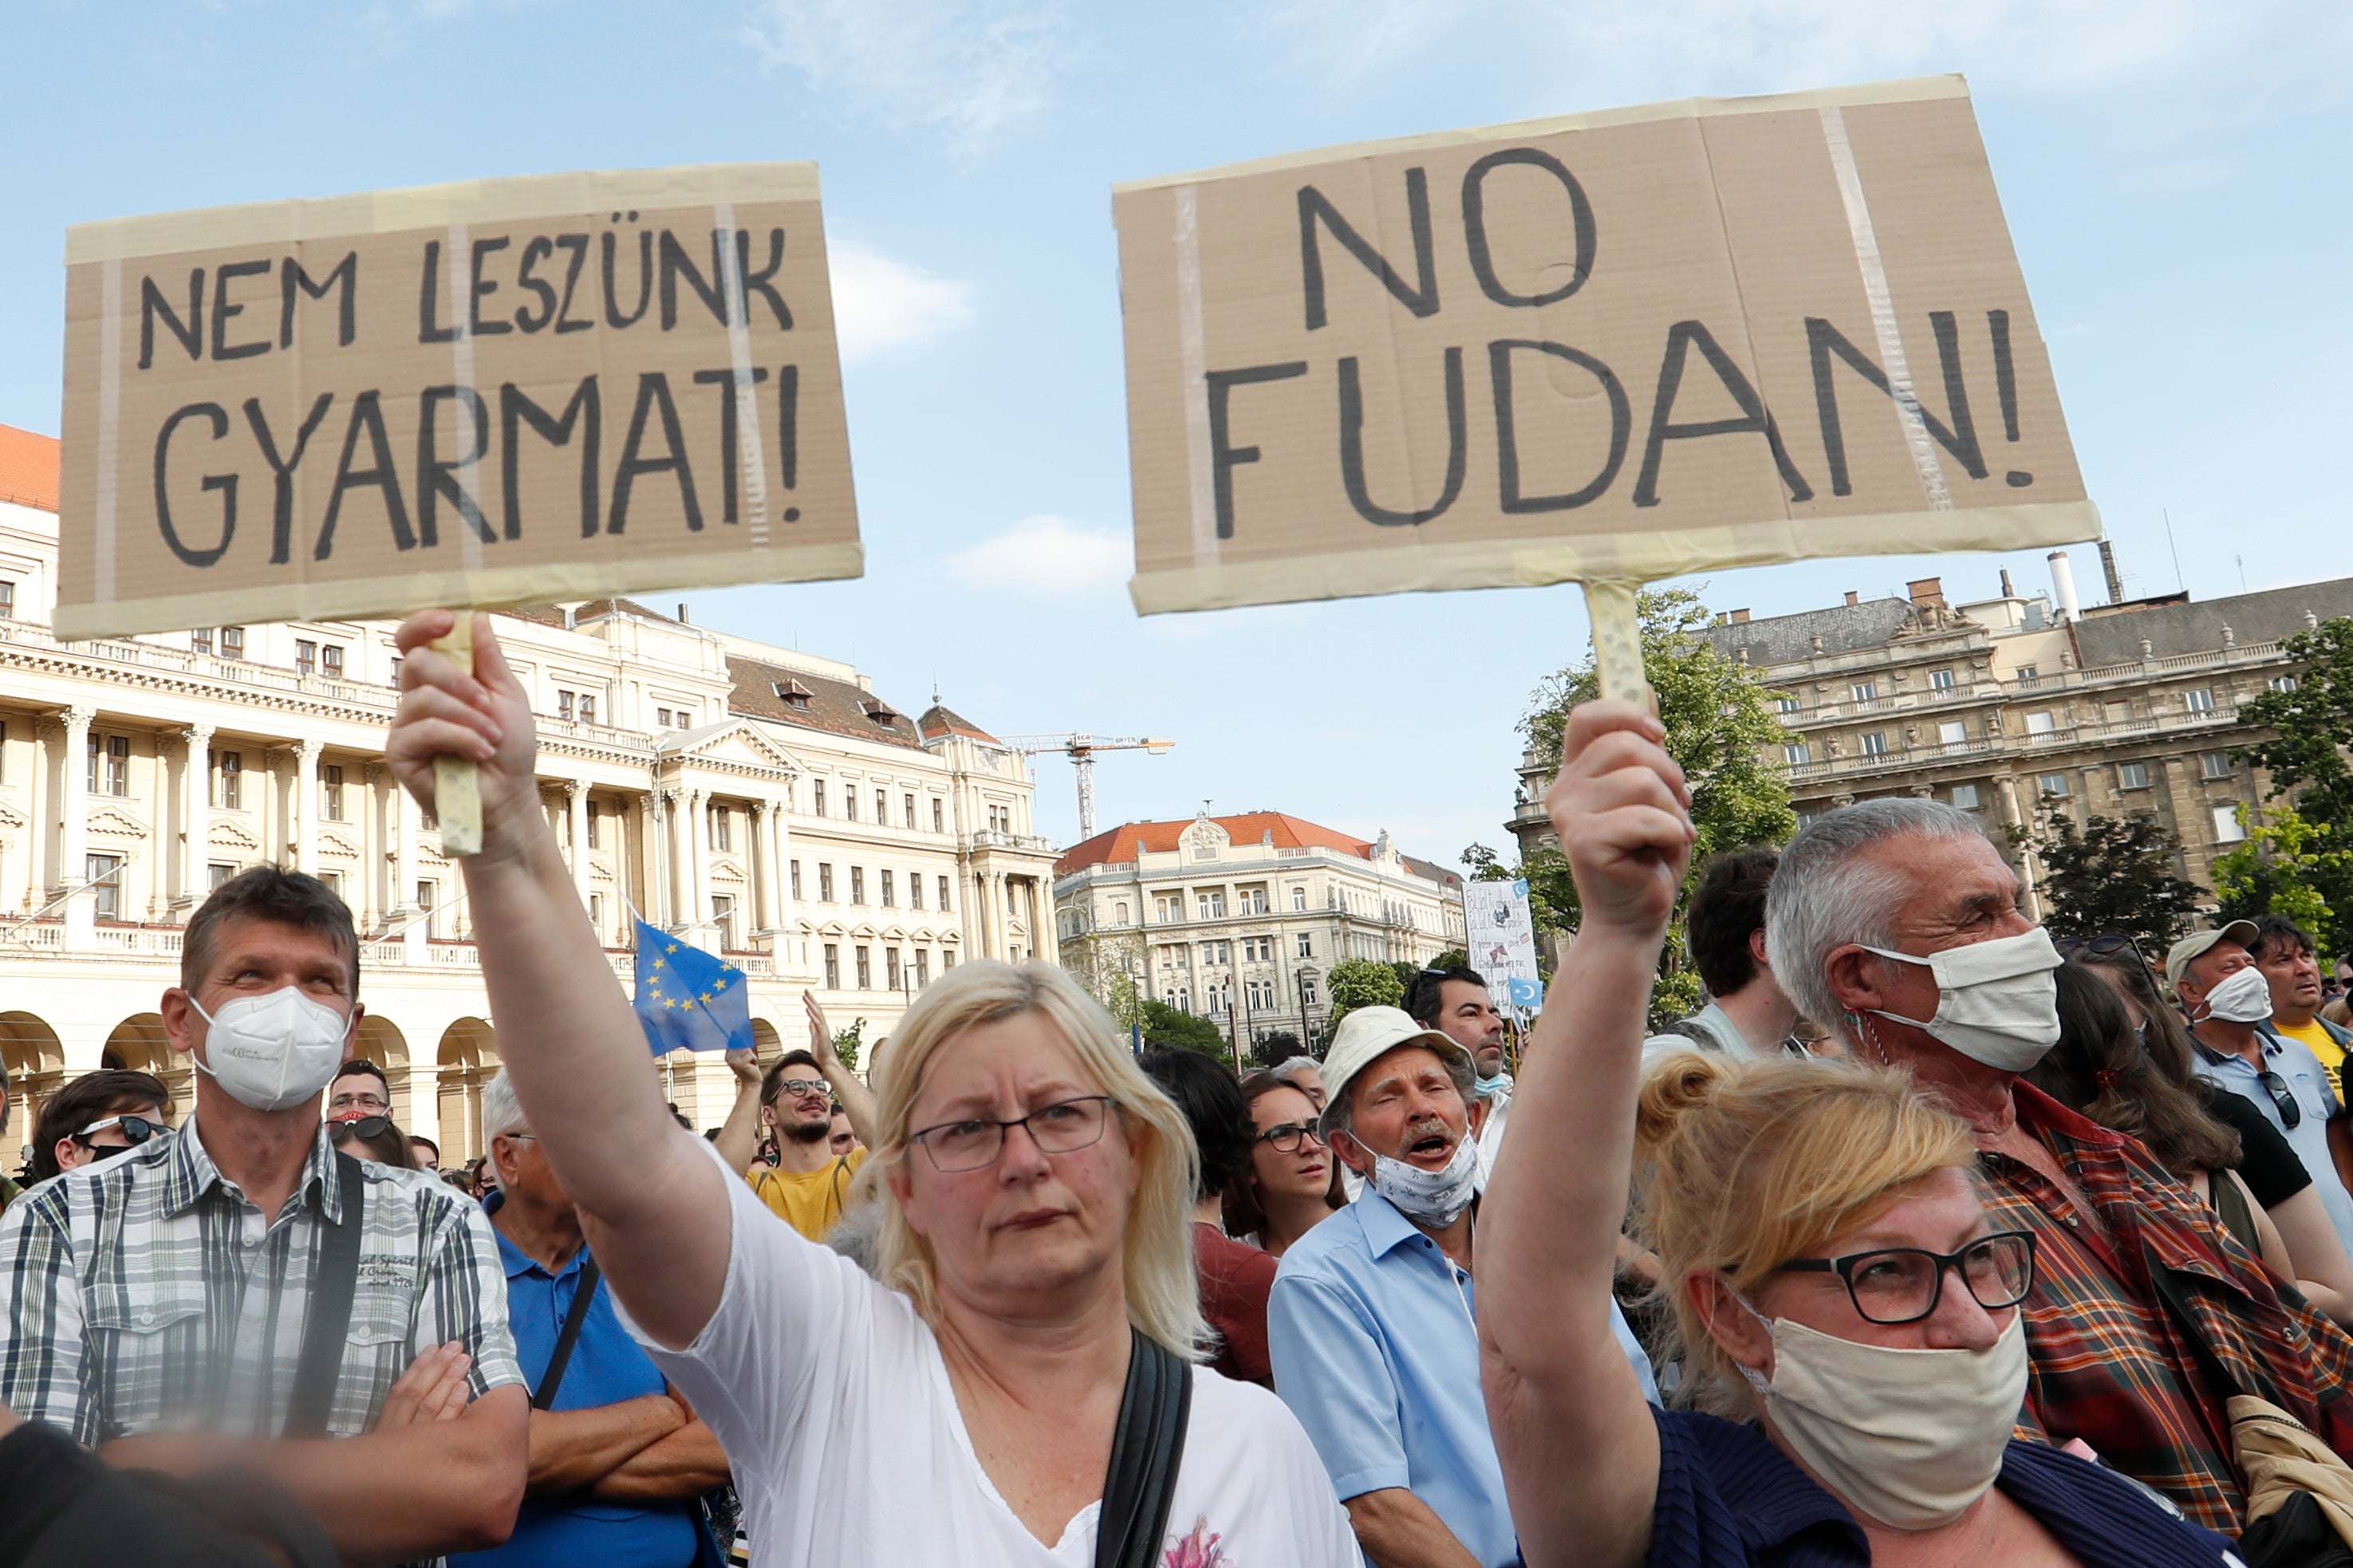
{"x":831,"y":1399}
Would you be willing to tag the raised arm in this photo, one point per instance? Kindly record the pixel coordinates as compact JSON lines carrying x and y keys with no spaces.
{"x":1580,"y":1450}
{"x":857,"y":1100}
{"x":739,"y":1140}
{"x":653,"y":1204}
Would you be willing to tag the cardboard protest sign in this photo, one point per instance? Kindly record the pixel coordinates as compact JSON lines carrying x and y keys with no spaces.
{"x":502,"y":392}
{"x":1608,"y":347}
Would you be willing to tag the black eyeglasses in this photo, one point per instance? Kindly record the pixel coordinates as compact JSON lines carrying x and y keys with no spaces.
{"x":135,"y":1130}
{"x":1286,"y":1137}
{"x":2291,"y":1113}
{"x":363,"y":1126}
{"x":1903,"y":1284}
{"x":1061,"y":1128}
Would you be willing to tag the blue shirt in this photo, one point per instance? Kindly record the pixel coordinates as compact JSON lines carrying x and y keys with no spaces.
{"x":1729,"y":1499}
{"x":1376,"y":1349}
{"x":2301,"y":1071}
{"x":607,"y":1367}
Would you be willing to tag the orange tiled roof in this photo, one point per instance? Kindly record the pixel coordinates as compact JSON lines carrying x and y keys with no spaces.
{"x":1119,"y":846}
{"x":30,"y":468}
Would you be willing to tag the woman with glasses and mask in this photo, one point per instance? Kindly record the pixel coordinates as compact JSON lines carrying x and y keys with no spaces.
{"x":1292,"y":1183}
{"x":98,"y":1115}
{"x":2108,"y":1067}
{"x":1034,"y":1252}
{"x":1853,"y":1356}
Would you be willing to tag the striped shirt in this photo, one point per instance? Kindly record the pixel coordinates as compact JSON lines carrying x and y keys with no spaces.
{"x":148,"y":1293}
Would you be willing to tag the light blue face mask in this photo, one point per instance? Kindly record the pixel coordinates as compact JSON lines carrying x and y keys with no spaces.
{"x":1486,"y":1087}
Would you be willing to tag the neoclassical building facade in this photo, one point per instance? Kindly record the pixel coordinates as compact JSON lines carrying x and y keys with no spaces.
{"x":759,"y":801}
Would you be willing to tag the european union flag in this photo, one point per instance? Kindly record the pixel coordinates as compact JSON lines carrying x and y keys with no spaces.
{"x":688,"y":1000}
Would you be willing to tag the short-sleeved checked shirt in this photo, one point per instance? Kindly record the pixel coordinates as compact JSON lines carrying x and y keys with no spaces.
{"x":146,"y":1293}
{"x":2109,"y":1362}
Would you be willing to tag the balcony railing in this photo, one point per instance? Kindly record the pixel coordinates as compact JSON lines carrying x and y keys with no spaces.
{"x":1898,"y":759}
{"x":2039,"y":685}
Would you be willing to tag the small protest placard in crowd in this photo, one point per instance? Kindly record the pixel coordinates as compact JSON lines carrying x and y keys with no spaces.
{"x":1609,"y":347}
{"x":501,"y":391}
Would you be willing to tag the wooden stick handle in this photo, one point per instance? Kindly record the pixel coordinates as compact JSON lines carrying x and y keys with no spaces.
{"x":1617,"y":639}
{"x":457,"y":787}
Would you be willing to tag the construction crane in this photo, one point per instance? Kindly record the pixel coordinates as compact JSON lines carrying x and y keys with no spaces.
{"x":1082,"y":750}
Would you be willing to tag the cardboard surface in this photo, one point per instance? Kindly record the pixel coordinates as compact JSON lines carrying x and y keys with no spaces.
{"x":1619,"y":346}
{"x":501,"y":391}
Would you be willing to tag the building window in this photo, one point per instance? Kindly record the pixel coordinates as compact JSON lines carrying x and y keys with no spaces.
{"x":2282,"y":683}
{"x":1865,"y":690}
{"x":201,"y":640}
{"x":882,"y":809}
{"x":2041,"y":724}
{"x":1119,"y":913}
{"x":563,"y":705}
{"x":2132,"y":775}
{"x":1169,"y":909}
{"x":331,"y":660}
{"x":7,"y":600}
{"x":1251,"y":901}
{"x":2053,"y":786}
{"x":331,"y":792}
{"x":723,"y":915}
{"x":1788,"y":705}
{"x":105,"y":874}
{"x":722,"y":828}
{"x":587,"y":708}
{"x":333,"y":883}
{"x":1940,"y":681}
{"x":1299,"y":897}
{"x":938,"y":817}
{"x":1966,"y":796}
{"x":228,"y":775}
{"x":1874,"y":744}
{"x":914,"y":889}
{"x":1953,"y":733}
{"x":109,"y":764}
{"x":923,"y":967}
{"x":2228,"y":829}
{"x":1216,"y":952}
{"x":832,"y":967}
{"x":945,"y":906}
{"x":1796,"y":755}
{"x":306,"y":656}
{"x":596,"y":914}
{"x":907,"y":811}
{"x":232,"y":642}
{"x":796,"y":871}
{"x":1307,"y":991}
{"x":858,"y":884}
{"x":216,"y":873}
{"x":1306,"y":944}
{"x":816,"y":795}
{"x":2214,"y":765}
{"x":890,"y":968}
{"x":2198,"y":702}
{"x":589,"y":809}
{"x":425,"y":893}
{"x":890,"y":899}
{"x":2029,"y":675}
{"x":850,"y":804}
{"x":948,"y":958}
{"x":865,"y":967}
{"x":824,"y":882}
{"x":1210,"y":906}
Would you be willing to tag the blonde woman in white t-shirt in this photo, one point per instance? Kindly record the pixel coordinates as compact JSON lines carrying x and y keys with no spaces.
{"x":1035,"y":1188}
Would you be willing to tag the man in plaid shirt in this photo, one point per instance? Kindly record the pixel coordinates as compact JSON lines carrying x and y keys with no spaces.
{"x":1897,"y":920}
{"x":153,"y":1306}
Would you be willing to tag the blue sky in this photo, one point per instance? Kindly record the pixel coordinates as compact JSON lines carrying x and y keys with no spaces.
{"x":2174,"y":173}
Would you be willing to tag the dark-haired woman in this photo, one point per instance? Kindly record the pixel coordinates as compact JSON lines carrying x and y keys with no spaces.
{"x":1291,"y":1184}
{"x":2210,"y":1139}
{"x":373,"y":1138}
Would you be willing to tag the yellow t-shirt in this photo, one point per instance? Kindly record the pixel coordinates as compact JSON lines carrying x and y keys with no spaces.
{"x":812,"y":1203}
{"x":2330,"y":1054}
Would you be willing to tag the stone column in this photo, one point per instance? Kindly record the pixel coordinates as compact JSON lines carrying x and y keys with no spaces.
{"x":73,"y":826}
{"x":762,"y":860}
{"x":374,"y":848}
{"x":575,"y":792}
{"x":698,"y":856}
{"x":195,"y":820}
{"x":403,"y":904}
{"x":649,"y":860}
{"x":306,"y":806}
{"x":677,"y":896}
{"x":1045,"y":925}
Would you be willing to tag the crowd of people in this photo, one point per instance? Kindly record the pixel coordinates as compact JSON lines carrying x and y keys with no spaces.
{"x":1926,"y":1240}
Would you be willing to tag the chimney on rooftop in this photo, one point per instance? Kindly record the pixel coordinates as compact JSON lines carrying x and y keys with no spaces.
{"x":1927,"y":591}
{"x":2108,"y":568}
{"x":2007,"y":591}
{"x":1852,"y":598}
{"x":1739,"y":618}
{"x":682,"y":612}
{"x":2062,"y":585}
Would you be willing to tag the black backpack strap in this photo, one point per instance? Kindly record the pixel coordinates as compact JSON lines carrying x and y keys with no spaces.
{"x":584,"y":1291}
{"x":1146,"y":1453}
{"x":329,"y":1320}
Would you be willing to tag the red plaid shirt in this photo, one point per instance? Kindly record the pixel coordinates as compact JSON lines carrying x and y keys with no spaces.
{"x":2111,"y":1365}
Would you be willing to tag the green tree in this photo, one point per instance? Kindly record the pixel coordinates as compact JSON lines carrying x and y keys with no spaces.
{"x":1364,"y":982}
{"x":1170,"y":1028}
{"x":1107,"y":966}
{"x":2288,"y":866}
{"x":1483,"y":866}
{"x":1453,"y":958}
{"x":2113,"y":874}
{"x":847,"y":1043}
{"x":1720,"y":726}
{"x":2312,"y":723}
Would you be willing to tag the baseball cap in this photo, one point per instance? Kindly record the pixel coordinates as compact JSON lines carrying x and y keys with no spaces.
{"x":1368,"y":1034}
{"x":2178,"y":957}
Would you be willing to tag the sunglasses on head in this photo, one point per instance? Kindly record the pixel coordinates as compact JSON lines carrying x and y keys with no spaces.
{"x":135,"y":1130}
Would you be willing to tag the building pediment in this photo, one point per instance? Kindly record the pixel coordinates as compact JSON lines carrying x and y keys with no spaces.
{"x":107,"y":822}
{"x":735,"y":746}
{"x":10,"y":816}
{"x":339,"y":845}
{"x":726,"y":871}
{"x":233,"y":835}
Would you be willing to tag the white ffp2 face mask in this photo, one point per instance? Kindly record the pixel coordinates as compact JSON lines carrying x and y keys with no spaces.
{"x":1997,"y":1002}
{"x":1430,"y":1197}
{"x":1910,"y":1437}
{"x":2244,"y":997}
{"x":273,"y":1051}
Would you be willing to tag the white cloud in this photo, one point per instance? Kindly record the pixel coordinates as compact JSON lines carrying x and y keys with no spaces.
{"x":881,"y":304}
{"x":1046,"y":554}
{"x":1654,"y":48}
{"x":963,"y":67}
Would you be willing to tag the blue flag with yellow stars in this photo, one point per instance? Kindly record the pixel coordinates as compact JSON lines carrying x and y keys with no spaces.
{"x":688,"y":1000}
